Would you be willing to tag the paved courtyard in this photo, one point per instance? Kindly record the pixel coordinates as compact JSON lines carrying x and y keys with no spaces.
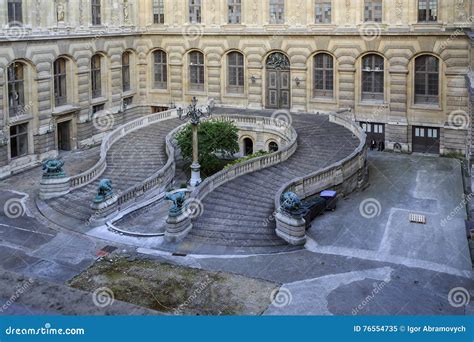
{"x":353,"y":265}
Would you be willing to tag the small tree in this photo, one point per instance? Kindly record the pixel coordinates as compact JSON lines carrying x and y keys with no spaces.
{"x":217,"y":140}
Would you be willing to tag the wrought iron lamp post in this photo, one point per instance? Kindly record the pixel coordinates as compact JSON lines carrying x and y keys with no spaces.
{"x":194,"y":115}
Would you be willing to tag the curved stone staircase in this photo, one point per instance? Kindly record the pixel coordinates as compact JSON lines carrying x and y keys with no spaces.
{"x":237,"y":216}
{"x":129,"y":161}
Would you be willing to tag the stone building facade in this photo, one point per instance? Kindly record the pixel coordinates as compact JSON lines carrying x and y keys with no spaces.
{"x":71,"y":70}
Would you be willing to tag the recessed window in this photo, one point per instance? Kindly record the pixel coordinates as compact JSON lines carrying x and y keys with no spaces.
{"x":158,"y":12}
{"x":98,"y":108}
{"x":323,"y":75}
{"x":127,"y":102}
{"x":96,"y":77}
{"x":160,"y":70}
{"x":273,"y":147}
{"x":126,"y":71}
{"x":195,"y":11}
{"x":196,"y":71}
{"x":427,"y":10}
{"x":234,"y":8}
{"x":427,"y":80}
{"x":322,"y":9}
{"x":19,"y":140}
{"x":235,"y":61}
{"x":16,"y":89}
{"x":373,"y":11}
{"x":15,"y":12}
{"x":277,"y":11}
{"x":96,"y":12}
{"x":373,"y":78}
{"x":60,"y":82}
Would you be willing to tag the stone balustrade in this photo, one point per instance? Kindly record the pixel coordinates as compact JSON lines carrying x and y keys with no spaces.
{"x":345,"y":176}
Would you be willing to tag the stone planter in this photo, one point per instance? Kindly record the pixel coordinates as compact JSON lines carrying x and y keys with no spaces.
{"x":103,"y":210}
{"x":54,"y":187}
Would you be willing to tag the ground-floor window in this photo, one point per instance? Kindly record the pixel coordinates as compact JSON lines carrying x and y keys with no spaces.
{"x":98,"y":108}
{"x":19,"y":140}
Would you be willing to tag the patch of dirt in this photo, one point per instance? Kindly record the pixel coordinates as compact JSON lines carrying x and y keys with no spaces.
{"x":176,"y":289}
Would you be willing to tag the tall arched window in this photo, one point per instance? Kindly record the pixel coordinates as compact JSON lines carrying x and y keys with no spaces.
{"x":235,"y":78}
{"x":160,"y":70}
{"x":16,"y":89}
{"x":196,"y":71}
{"x":372,"y":78}
{"x":126,"y":71}
{"x":96,"y":77}
{"x":427,"y":80}
{"x":323,"y":75}
{"x":60,"y":82}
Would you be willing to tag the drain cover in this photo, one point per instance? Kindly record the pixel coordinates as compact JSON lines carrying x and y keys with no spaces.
{"x":417,"y":218}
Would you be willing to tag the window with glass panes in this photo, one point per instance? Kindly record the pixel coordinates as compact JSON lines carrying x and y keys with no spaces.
{"x":19,"y":140}
{"x":427,"y":80}
{"x":96,"y":12}
{"x":60,"y":82}
{"x":96,"y":77}
{"x":372,"y":77}
{"x":196,"y":70}
{"x":373,"y":11}
{"x":277,"y":11}
{"x":16,"y":89}
{"x":427,"y":10}
{"x":195,"y":11}
{"x":234,"y":11}
{"x":323,"y":75}
{"x":235,"y":61}
{"x":158,"y":12}
{"x":15,"y":12}
{"x":160,"y":70}
{"x":323,"y":10}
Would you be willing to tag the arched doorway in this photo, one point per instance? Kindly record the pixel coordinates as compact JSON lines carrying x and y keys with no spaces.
{"x":278,"y":81}
{"x":248,"y":146}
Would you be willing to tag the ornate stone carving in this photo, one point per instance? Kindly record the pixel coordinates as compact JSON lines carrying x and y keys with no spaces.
{"x":61,"y":11}
{"x":399,"y":10}
{"x":126,"y":11}
{"x":278,"y":61}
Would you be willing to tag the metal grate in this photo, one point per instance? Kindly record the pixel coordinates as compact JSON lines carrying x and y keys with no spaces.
{"x":417,"y":218}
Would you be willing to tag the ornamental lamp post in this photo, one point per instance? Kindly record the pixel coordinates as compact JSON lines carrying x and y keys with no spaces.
{"x":194,"y":115}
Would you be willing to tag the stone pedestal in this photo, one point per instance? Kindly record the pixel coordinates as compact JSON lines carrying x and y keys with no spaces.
{"x":292,"y":230}
{"x":54,"y":187}
{"x":103,"y":210}
{"x":177,"y":227}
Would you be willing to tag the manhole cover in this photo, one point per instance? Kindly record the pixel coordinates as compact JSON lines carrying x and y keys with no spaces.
{"x":417,"y":218}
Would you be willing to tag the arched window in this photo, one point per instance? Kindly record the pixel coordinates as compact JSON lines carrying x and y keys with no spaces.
{"x":96,"y":77}
{"x":60,"y":82}
{"x":16,"y":89}
{"x":427,"y":80}
{"x":196,"y":71}
{"x":323,"y":75}
{"x":372,"y":78}
{"x":160,"y":70}
{"x":273,"y":147}
{"x":248,"y":146}
{"x":235,"y":63}
{"x":126,"y":71}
